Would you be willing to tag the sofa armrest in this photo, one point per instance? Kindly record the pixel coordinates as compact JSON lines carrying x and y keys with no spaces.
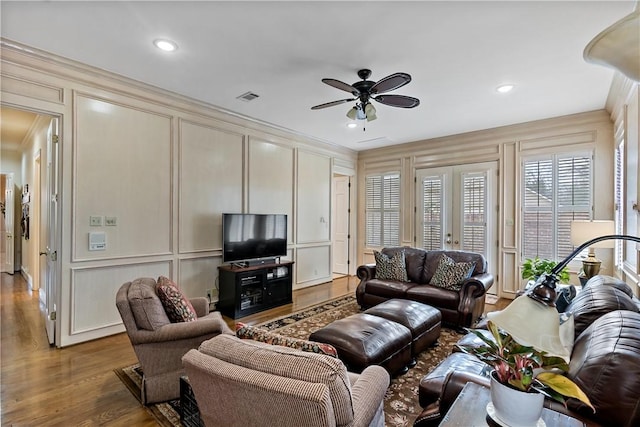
{"x":366,"y":272}
{"x":200,"y":305}
{"x":368,"y":393}
{"x":477,"y":285}
{"x":211,"y":324}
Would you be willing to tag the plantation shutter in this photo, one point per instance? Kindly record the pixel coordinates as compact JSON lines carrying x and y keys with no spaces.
{"x":432,"y":212}
{"x":557,"y":190}
{"x":474,"y":212}
{"x":382,"y":216}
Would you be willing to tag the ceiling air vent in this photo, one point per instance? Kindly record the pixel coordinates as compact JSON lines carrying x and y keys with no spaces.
{"x":248,"y":96}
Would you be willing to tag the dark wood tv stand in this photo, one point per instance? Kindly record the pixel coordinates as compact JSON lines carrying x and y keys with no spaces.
{"x":248,"y":290}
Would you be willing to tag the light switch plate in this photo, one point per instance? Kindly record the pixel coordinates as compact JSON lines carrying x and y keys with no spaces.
{"x":95,"y":221}
{"x":110,"y":221}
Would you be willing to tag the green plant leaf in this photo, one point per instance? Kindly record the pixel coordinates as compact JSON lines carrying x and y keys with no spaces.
{"x":564,"y":386}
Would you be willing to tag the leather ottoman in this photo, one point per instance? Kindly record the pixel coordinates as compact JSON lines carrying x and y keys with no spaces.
{"x":362,"y":340}
{"x":423,"y":321}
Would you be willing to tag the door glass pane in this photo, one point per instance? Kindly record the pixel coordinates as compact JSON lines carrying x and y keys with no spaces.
{"x":474,"y":206}
{"x":432,"y":212}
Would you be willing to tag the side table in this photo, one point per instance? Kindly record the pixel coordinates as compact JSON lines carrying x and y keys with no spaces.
{"x":470,"y":410}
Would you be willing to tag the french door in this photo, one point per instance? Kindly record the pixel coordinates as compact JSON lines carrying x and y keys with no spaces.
{"x":456,"y":209}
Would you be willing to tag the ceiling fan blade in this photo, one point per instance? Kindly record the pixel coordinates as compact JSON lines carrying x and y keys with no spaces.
{"x":341,"y":85}
{"x":332,"y":103}
{"x":398,"y":101}
{"x":394,"y":81}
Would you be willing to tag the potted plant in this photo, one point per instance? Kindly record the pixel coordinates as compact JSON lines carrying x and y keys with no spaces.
{"x":522,"y":372}
{"x":534,"y":268}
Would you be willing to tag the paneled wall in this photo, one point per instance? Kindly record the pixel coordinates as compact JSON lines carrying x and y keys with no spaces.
{"x":162,"y":169}
{"x":507,"y":145}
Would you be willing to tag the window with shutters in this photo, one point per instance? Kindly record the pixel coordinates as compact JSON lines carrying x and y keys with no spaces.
{"x":474,"y":211}
{"x":556,"y":190}
{"x":619,"y":204}
{"x":382,"y":212}
{"x":432,"y":212}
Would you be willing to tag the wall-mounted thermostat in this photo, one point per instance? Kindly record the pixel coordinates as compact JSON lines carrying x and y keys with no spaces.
{"x":97,"y":241}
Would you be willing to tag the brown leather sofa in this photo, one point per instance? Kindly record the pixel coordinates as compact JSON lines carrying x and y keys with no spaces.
{"x":605,"y":361}
{"x":459,"y":308}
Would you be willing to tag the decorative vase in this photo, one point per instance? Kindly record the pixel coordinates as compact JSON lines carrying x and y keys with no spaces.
{"x":513,"y":407}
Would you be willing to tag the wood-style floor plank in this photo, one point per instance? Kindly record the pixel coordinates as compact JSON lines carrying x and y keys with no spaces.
{"x":76,"y":386}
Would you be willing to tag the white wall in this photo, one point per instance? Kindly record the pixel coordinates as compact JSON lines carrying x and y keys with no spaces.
{"x":166,"y":168}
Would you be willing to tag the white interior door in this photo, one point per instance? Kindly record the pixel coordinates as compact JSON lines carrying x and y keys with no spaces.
{"x":9,"y":224}
{"x":340,"y":224}
{"x":50,"y":192}
{"x":456,"y":209}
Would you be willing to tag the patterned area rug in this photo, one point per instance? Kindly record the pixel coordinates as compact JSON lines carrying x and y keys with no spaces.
{"x":401,"y":401}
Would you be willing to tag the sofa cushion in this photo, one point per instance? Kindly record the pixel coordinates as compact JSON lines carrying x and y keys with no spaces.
{"x":390,"y":268}
{"x":388,"y":289}
{"x":145,"y":305}
{"x":605,"y":363}
{"x":596,"y":301}
{"x":414,"y":260}
{"x":290,"y":363}
{"x":249,"y":332}
{"x":434,"y":296}
{"x":450,"y":274}
{"x":603,"y":280}
{"x":175,"y":303}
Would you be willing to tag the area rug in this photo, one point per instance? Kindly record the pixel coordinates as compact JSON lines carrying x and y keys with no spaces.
{"x":401,"y":401}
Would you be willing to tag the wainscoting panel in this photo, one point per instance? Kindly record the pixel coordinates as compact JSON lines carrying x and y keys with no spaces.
{"x":197,"y":275}
{"x":271,"y":180}
{"x":21,"y":86}
{"x":211,"y":169}
{"x":314,"y":198}
{"x":93,"y":292}
{"x":122,"y":159}
{"x":313,"y":265}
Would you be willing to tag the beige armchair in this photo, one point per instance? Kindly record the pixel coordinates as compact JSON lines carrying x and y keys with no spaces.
{"x":242,"y":382}
{"x":158,"y":343}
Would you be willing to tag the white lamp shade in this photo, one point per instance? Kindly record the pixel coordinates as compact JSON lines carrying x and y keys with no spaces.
{"x":618,"y":46}
{"x":582,"y":231}
{"x":532,"y":324}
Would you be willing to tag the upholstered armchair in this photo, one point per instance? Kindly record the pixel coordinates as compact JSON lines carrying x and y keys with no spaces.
{"x":158,"y":343}
{"x":239,"y":382}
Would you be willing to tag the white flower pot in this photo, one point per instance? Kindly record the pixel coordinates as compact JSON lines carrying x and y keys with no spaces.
{"x":515,"y":408}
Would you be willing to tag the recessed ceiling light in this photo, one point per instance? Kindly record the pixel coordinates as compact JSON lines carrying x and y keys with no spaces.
{"x":352,"y":125}
{"x":505,"y":88}
{"x":166,"y":45}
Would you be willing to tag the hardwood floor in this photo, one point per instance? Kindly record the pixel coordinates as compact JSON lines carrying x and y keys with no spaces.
{"x":46,"y":386}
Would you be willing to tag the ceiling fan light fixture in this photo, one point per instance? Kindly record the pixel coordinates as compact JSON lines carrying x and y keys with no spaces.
{"x":352,"y":113}
{"x":370,"y":112}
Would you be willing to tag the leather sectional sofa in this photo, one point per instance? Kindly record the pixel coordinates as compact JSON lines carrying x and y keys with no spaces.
{"x":459,"y":308}
{"x":605,"y":361}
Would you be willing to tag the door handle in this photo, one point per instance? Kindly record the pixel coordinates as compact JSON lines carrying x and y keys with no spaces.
{"x":448,"y":238}
{"x":455,"y":242}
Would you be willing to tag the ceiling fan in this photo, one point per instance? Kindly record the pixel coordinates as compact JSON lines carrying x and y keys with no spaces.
{"x":366,"y":90}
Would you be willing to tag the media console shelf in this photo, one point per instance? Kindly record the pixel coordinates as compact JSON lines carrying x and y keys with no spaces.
{"x":248,"y":290}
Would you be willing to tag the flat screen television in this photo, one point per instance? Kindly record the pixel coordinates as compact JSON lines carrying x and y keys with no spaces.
{"x":253,"y":236}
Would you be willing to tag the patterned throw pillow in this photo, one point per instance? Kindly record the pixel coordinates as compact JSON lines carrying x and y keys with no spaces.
{"x":256,"y":334}
{"x":451,"y":275}
{"x":176,"y":304}
{"x":392,"y":268}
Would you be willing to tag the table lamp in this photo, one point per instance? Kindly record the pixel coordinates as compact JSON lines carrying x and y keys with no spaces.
{"x":582,"y":231}
{"x":533,"y":320}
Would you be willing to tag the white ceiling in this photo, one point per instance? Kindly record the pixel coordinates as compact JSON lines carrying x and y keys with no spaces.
{"x":456,"y":52}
